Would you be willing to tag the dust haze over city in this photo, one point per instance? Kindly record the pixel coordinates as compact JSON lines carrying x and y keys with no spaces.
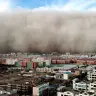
{"x":47,"y":31}
{"x":47,"y":47}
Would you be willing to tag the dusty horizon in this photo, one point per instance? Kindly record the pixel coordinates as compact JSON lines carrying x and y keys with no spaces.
{"x":51,"y":31}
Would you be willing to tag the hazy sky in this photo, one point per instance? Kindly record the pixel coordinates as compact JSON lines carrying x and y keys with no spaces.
{"x":61,"y":5}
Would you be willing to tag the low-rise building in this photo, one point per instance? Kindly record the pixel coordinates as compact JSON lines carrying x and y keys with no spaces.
{"x":89,"y":86}
{"x":92,"y":87}
{"x":41,"y":89}
{"x":62,"y":91}
{"x":86,"y":94}
{"x":77,"y":85}
{"x":91,"y":75}
{"x":62,"y":76}
{"x":45,"y":69}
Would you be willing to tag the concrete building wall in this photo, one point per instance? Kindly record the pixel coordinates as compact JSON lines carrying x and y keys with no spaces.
{"x":10,"y":61}
{"x":85,"y":94}
{"x":92,"y":87}
{"x":44,"y":69}
{"x":65,"y":76}
{"x":91,"y":75}
{"x":35,"y":91}
{"x":79,"y":85}
{"x":66,"y":93}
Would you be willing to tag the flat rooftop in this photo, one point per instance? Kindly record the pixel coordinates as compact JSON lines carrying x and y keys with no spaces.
{"x":65,"y":66}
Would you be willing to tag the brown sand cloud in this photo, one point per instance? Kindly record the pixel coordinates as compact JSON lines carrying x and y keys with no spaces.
{"x":40,"y":31}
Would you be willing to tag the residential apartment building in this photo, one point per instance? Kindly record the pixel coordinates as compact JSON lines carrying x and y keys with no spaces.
{"x":62,"y":91}
{"x":85,"y":94}
{"x":92,"y":87}
{"x":62,"y":76}
{"x":88,"y":86}
{"x":45,"y":69}
{"x":77,"y":85}
{"x":41,"y":90}
{"x":91,"y":75}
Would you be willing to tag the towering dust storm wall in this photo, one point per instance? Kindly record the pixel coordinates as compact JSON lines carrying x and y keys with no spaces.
{"x":39,"y":31}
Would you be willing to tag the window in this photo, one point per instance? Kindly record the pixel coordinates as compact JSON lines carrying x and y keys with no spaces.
{"x":61,"y":94}
{"x":94,"y":85}
{"x":85,"y":94}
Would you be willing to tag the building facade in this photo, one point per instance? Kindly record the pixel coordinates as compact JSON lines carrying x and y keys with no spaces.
{"x":86,"y":94}
{"x":61,"y":91}
{"x":92,"y":87}
{"x":45,"y":69}
{"x":79,"y":85}
{"x":91,"y":75}
{"x":39,"y":90}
